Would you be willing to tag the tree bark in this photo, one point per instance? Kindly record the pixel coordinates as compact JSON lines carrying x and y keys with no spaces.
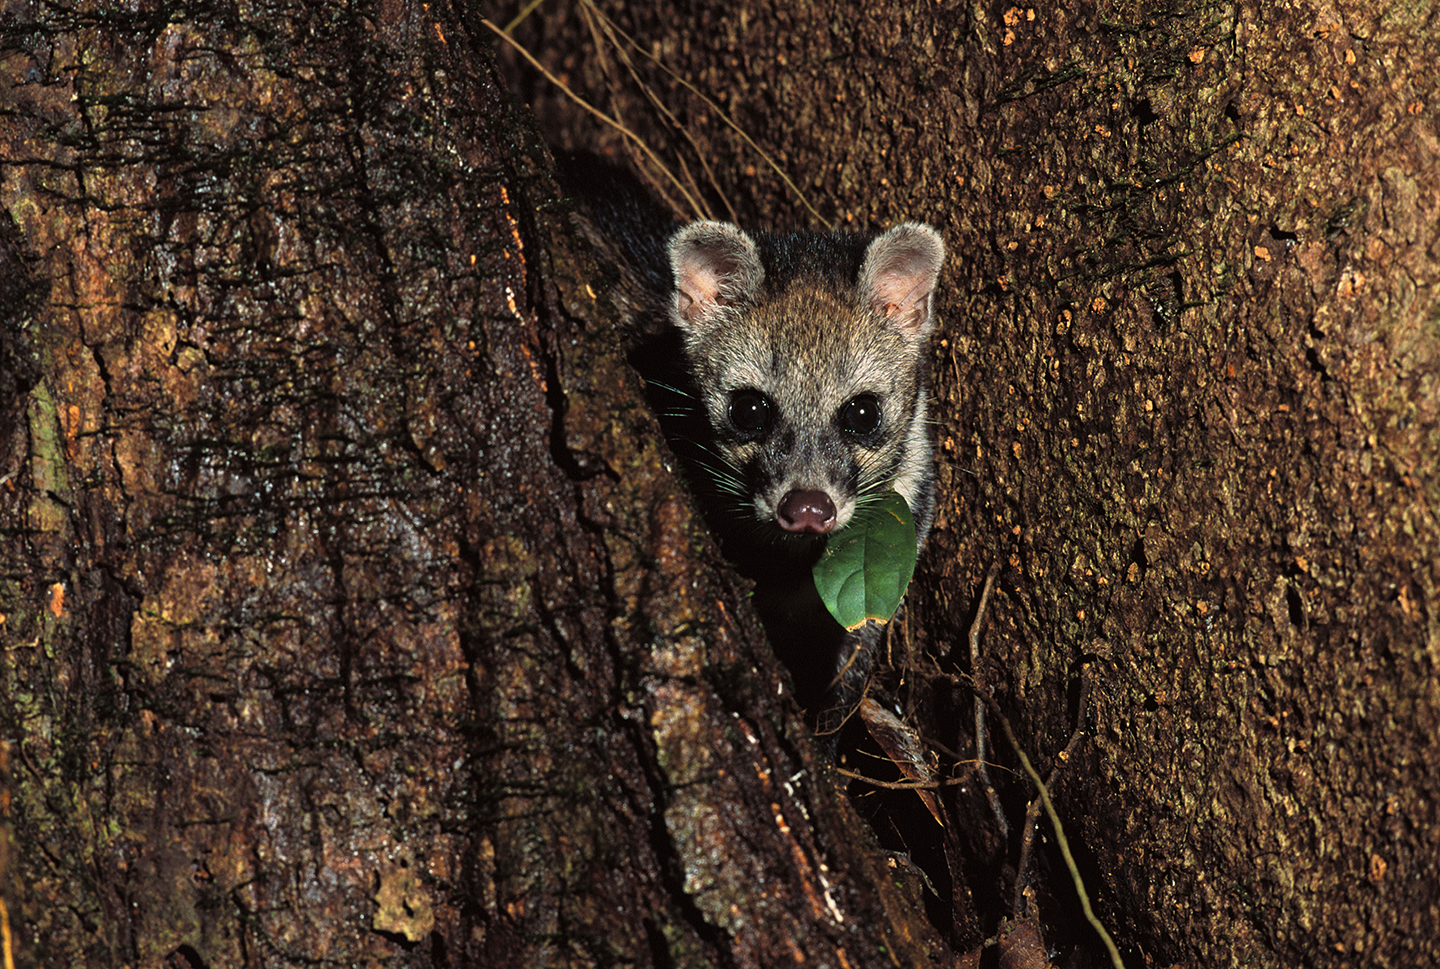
{"x":349,"y":613}
{"x":1189,"y":381}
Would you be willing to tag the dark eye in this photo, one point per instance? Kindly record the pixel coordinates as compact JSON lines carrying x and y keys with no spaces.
{"x":861,"y":415}
{"x":749,"y":414}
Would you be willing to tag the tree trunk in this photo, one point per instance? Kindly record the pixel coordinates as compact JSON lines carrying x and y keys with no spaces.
{"x":349,"y":614}
{"x":1188,"y":390}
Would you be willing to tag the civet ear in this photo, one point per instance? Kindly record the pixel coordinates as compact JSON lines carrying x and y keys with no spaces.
{"x":899,"y":274}
{"x":716,"y":266}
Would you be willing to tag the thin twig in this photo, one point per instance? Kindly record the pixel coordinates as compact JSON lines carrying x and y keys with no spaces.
{"x":822,"y":731}
{"x":902,"y":785}
{"x":774,"y":165}
{"x":610,"y":55}
{"x":980,"y":731}
{"x":1027,"y":841}
{"x":639,"y":142}
{"x":855,"y":654}
{"x":522,"y":15}
{"x":603,"y":24}
{"x":1060,"y":838}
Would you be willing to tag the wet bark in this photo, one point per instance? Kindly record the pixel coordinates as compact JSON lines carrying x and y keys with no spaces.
{"x":1189,"y":384}
{"x":349,"y":613}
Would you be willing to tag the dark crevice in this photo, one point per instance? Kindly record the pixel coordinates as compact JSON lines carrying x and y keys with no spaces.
{"x":1296,"y":606}
{"x":185,"y":957}
{"x":1144,"y":112}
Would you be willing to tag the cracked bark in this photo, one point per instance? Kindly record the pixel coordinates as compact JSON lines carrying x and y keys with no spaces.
{"x":1189,"y":386}
{"x":348,"y":612}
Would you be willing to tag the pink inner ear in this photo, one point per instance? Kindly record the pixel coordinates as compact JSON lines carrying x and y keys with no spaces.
{"x":903,"y":298}
{"x":716,"y":265}
{"x":698,"y":287}
{"x":698,"y":279}
{"x":899,"y":275}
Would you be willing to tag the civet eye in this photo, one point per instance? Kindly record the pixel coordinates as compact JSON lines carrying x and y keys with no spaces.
{"x":749,"y":414}
{"x":861,"y":415}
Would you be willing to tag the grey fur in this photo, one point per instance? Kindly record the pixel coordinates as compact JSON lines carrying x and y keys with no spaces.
{"x":810,"y":345}
{"x":812,"y":322}
{"x":717,"y":267}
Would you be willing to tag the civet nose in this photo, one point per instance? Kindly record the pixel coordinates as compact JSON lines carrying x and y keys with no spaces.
{"x":806,"y":511}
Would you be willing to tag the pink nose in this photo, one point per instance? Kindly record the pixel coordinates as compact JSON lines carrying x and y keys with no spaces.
{"x":806,"y":511}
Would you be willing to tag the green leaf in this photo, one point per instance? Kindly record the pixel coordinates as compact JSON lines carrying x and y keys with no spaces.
{"x":867,"y":566}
